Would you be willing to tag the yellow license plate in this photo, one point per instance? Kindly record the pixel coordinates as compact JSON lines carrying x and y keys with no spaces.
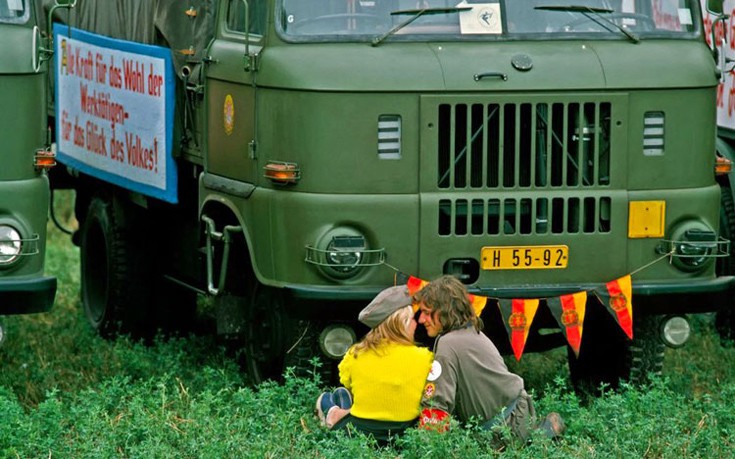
{"x":525,"y":257}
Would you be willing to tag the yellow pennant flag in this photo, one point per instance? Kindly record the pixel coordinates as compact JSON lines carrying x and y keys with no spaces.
{"x":617,"y":297}
{"x":569,"y":311}
{"x":478,"y":303}
{"x":517,"y":316}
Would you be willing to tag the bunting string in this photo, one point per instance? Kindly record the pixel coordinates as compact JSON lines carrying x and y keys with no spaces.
{"x":569,"y":310}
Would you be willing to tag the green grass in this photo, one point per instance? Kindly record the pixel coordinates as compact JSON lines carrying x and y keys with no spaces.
{"x":65,"y":392}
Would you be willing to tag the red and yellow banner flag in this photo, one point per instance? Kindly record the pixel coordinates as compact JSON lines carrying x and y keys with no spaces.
{"x":569,"y":311}
{"x":517,"y":316}
{"x":617,"y":298}
{"x":415,"y":284}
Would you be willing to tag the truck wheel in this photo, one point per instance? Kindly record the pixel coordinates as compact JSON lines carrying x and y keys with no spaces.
{"x":646,"y":351}
{"x":265,"y":335}
{"x":608,"y":357}
{"x":274,"y":342}
{"x":300,"y":355}
{"x":725,"y":317}
{"x":113,"y":273}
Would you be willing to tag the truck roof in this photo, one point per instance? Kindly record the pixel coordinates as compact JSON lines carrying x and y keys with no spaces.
{"x":185,"y":28}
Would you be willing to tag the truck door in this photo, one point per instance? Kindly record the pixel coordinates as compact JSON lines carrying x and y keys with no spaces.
{"x":230,"y":91}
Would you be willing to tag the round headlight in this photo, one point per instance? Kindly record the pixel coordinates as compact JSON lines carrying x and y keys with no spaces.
{"x":695,"y":246}
{"x":675,"y":331}
{"x":342,"y":259}
{"x":341,"y":253}
{"x":10,"y":244}
{"x":335,"y":340}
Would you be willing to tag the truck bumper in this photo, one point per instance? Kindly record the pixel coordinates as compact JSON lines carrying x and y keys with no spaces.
{"x":655,"y":298}
{"x":27,"y":296}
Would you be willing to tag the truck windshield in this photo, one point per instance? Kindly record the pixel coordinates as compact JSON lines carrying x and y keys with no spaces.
{"x":14,"y":11}
{"x":386,"y":20}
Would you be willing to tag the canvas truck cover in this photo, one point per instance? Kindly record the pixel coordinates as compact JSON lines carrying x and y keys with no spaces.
{"x":184,"y":27}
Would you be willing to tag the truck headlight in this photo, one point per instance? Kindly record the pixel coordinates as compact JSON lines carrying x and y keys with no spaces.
{"x":675,"y":331}
{"x":335,"y":340}
{"x":693,"y":246}
{"x":344,"y":253}
{"x":11,"y":245}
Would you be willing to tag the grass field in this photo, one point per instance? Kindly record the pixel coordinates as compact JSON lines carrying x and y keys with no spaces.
{"x":65,"y":392}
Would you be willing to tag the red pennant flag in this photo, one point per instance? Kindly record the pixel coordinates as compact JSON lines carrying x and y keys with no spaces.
{"x":478,"y":303}
{"x":569,"y":311}
{"x":617,"y":298}
{"x":415,"y":284}
{"x":517,"y":316}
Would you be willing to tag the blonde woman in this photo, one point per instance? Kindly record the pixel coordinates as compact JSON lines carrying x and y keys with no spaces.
{"x":384,"y":373}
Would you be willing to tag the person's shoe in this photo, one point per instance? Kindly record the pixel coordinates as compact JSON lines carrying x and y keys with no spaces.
{"x":342,"y":398}
{"x":553,"y":425}
{"x":323,"y":404}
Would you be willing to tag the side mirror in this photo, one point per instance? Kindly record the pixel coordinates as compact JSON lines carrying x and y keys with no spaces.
{"x":713,"y":6}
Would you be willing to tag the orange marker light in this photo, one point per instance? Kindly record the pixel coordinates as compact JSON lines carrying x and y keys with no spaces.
{"x":282,"y":173}
{"x":723,"y":166}
{"x":44,"y":159}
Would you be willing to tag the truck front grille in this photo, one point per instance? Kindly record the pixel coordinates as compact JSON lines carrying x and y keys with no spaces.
{"x":528,"y":145}
{"x":507,"y":216}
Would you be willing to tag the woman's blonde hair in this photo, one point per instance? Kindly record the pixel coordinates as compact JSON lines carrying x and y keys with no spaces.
{"x":393,"y":329}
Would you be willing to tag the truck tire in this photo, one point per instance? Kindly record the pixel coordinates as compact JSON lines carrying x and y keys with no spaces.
{"x":608,"y":357}
{"x":114,"y":275}
{"x":646,"y":351}
{"x":265,"y":335}
{"x":725,"y":317}
{"x":275,"y":342}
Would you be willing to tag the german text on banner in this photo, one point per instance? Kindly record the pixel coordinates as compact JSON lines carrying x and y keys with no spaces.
{"x":115,"y":111}
{"x":517,"y":316}
{"x":569,"y":311}
{"x":617,"y":297}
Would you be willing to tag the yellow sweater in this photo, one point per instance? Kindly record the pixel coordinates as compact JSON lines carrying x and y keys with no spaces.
{"x":386,"y":385}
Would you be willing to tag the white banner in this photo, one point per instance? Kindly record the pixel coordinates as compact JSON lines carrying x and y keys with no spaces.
{"x":114,"y":110}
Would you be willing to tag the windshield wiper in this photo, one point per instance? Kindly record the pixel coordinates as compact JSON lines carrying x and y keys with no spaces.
{"x":593,"y":14}
{"x":415,"y":15}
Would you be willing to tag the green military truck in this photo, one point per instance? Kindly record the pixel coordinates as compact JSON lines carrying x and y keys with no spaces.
{"x":291,"y":158}
{"x":718,"y":17}
{"x":24,"y":185}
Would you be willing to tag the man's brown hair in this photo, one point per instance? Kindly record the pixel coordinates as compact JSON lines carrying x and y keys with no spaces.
{"x":449,"y":298}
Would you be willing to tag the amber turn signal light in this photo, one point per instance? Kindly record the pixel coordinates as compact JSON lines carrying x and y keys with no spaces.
{"x":282,"y":173}
{"x":723,"y":165}
{"x":44,"y":159}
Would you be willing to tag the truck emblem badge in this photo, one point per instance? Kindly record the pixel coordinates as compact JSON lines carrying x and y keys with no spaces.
{"x":229,"y":114}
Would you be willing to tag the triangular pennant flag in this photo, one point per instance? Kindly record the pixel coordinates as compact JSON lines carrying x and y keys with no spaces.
{"x":478,"y":303}
{"x":415,"y":284}
{"x":569,"y":311}
{"x":517,"y":316}
{"x":617,"y":298}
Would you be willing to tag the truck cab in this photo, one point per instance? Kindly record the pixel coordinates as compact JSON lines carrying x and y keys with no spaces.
{"x":24,"y":185}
